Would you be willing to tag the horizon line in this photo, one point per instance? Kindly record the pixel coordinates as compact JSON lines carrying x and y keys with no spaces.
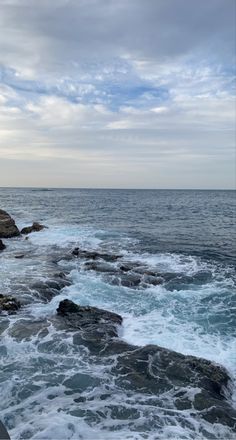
{"x":118,"y":189}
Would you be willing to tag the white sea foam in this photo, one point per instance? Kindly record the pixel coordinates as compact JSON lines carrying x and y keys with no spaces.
{"x":171,"y":319}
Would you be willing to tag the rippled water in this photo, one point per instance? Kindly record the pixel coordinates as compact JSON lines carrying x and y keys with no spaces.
{"x":51,"y":388}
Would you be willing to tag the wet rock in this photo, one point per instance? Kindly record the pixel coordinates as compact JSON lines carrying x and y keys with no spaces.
{"x":9,"y":304}
{"x":25,"y":329}
{"x":47,"y":289}
{"x":158,"y":369}
{"x":96,"y":324}
{"x":193,"y":384}
{"x":2,"y":246}
{"x":155,"y":370}
{"x":36,"y":227}
{"x":128,"y":279}
{"x":94,"y":255}
{"x":150,"y":279}
{"x":99,"y":267}
{"x":8,"y":227}
{"x":3,"y":432}
{"x":145,"y":271}
{"x":19,"y":256}
{"x":81,"y":381}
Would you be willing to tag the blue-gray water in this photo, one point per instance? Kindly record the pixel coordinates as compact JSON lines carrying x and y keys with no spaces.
{"x":190,"y":235}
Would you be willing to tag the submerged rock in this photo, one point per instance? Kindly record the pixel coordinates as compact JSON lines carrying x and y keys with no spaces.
{"x":2,"y":246}
{"x":9,"y":304}
{"x":8,"y":227}
{"x":36,"y":227}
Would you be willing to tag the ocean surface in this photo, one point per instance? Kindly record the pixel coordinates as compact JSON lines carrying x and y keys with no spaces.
{"x":189,"y":237}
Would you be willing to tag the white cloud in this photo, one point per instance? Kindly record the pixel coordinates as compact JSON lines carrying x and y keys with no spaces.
{"x":120,"y":89}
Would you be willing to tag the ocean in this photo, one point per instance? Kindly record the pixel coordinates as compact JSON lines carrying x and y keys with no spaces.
{"x":52,"y":388}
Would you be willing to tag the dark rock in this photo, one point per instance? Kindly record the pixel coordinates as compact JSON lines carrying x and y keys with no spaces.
{"x":9,"y":304}
{"x":24,"y":329}
{"x":94,"y":255}
{"x":156,"y":370}
{"x":151,"y":370}
{"x":8,"y":227}
{"x":2,"y":246}
{"x":150,"y":279}
{"x":36,"y":227}
{"x":19,"y":256}
{"x":100,"y":267}
{"x":145,"y":271}
{"x":47,"y":289}
{"x":3,"y":432}
{"x":95,"y":323}
{"x":128,"y":279}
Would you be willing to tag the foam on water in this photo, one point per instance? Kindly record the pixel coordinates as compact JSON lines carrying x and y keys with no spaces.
{"x":38,"y":404}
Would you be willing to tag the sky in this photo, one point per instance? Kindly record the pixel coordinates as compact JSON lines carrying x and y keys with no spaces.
{"x":118,"y":93}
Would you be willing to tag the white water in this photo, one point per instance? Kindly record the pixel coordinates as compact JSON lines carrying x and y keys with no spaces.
{"x":182,"y":320}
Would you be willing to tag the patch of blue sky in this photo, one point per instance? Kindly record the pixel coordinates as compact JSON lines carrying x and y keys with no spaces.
{"x":124,"y":90}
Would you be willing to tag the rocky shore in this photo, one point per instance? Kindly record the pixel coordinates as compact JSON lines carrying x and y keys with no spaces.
{"x":151,"y":370}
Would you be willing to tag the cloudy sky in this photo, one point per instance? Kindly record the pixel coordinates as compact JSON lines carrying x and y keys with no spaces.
{"x":117,"y":93}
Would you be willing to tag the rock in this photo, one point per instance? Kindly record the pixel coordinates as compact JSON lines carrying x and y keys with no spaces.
{"x":150,"y":279}
{"x":96,"y":324}
{"x":2,"y":246}
{"x":19,"y":256}
{"x":193,"y":384}
{"x":36,"y":227}
{"x":94,"y":255}
{"x":9,"y":304}
{"x":47,"y":289}
{"x":3,"y":432}
{"x":156,"y":370}
{"x":8,"y":227}
{"x":26,"y":328}
{"x":100,"y":267}
{"x":128,"y":279}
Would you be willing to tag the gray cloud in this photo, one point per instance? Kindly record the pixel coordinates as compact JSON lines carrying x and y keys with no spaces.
{"x":52,"y":34}
{"x":117,"y":93}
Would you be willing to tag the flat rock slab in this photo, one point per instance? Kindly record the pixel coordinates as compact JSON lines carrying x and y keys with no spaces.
{"x":8,"y":227}
{"x":192,"y":383}
{"x":156,"y":370}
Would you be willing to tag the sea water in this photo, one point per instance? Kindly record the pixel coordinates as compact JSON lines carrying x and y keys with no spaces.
{"x":187,"y":234}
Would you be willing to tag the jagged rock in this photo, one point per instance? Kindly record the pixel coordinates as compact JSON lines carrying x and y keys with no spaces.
{"x":8,"y":304}
{"x":95,"y":323}
{"x":36,"y":227}
{"x":2,"y":246}
{"x":8,"y":227}
{"x":94,"y":255}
